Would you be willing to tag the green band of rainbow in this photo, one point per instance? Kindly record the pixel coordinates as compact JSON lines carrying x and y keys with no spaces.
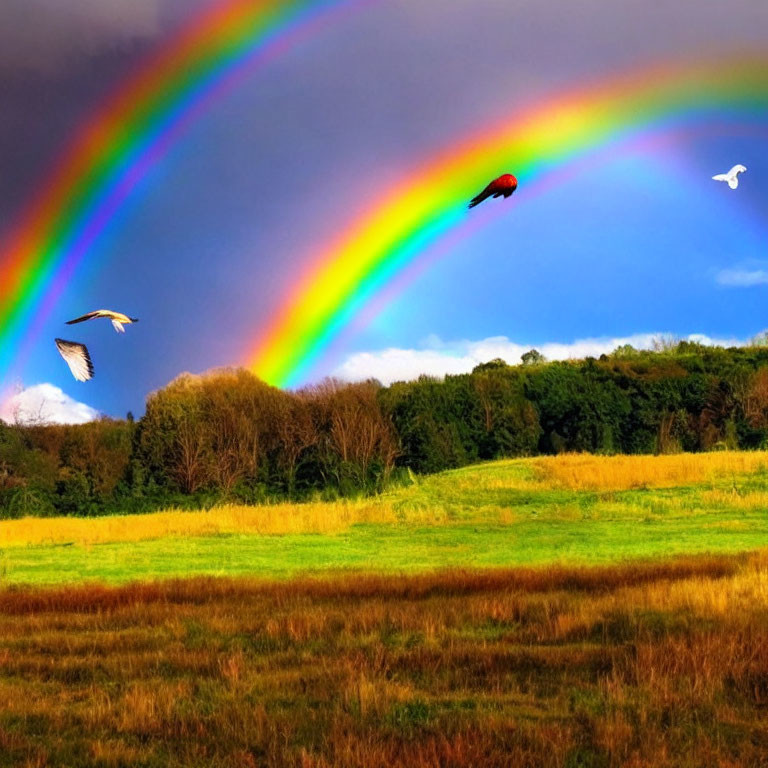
{"x":431,"y":201}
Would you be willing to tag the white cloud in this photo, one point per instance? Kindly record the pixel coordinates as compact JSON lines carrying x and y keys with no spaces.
{"x":742,"y":278}
{"x":438,"y":358}
{"x":47,"y":404}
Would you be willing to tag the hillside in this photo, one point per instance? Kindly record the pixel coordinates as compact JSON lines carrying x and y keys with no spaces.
{"x":570,"y":509}
{"x":226,"y":436}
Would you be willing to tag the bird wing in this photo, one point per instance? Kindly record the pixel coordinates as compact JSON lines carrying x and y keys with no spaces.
{"x":118,"y":326}
{"x":721,"y":177}
{"x":77,"y":358}
{"x":477,"y":199}
{"x":83,"y":318}
{"x":733,"y":182}
{"x":737,"y":169}
{"x":111,"y":314}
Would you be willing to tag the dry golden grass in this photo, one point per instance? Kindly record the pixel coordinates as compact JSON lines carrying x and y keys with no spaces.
{"x":662,"y":664}
{"x":228,"y":519}
{"x":585,"y":472}
{"x":588,"y":472}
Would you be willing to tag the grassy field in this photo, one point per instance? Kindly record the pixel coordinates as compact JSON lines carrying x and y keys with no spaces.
{"x":567,"y":510}
{"x":623,"y":623}
{"x":660,"y":664}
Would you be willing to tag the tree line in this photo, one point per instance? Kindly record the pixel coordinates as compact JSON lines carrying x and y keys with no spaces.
{"x":227,"y":436}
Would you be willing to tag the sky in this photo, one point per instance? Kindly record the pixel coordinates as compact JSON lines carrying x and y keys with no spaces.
{"x":213,"y":240}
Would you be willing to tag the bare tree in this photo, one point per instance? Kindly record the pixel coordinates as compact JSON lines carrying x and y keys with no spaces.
{"x":754,"y":399}
{"x":189,"y":468}
{"x":231,"y":420}
{"x":358,"y":432}
{"x":296,"y":431}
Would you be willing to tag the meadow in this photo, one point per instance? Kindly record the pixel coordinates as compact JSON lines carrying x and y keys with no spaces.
{"x":662,"y":664}
{"x":570,"y":509}
{"x":563,"y":612}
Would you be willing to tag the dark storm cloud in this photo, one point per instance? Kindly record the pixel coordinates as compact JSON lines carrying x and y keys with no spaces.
{"x":59,"y":59}
{"x":42,"y":34}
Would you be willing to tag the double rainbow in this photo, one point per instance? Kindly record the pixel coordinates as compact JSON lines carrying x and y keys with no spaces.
{"x":535,"y":144}
{"x":141,"y":122}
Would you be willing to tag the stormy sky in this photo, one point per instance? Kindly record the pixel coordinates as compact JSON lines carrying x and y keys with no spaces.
{"x":215,"y":237}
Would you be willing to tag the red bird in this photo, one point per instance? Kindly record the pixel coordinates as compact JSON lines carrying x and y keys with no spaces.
{"x":503,"y":186}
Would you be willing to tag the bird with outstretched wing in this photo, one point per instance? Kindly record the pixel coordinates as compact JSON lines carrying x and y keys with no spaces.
{"x":118,"y":318}
{"x":732,"y":177}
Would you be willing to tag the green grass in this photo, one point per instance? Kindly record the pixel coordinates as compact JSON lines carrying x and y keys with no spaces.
{"x":474,"y":526}
{"x":387,"y":548}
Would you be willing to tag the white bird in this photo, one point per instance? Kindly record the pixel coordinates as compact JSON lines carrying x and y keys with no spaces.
{"x":77,"y":358}
{"x":732,"y":177}
{"x":118,"y":318}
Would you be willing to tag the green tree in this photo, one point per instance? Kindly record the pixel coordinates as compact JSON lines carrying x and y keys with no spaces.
{"x":532,"y":357}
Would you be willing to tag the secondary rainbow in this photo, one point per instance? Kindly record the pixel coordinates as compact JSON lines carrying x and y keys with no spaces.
{"x":126,"y":137}
{"x":535,"y":144}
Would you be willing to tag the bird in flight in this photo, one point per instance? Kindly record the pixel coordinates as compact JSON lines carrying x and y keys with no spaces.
{"x":118,"y":318}
{"x":732,"y":177}
{"x":503,"y":186}
{"x":77,"y":358}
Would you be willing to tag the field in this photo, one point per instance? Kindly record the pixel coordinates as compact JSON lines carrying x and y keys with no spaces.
{"x":654,"y":665}
{"x":624,"y":622}
{"x":567,"y":510}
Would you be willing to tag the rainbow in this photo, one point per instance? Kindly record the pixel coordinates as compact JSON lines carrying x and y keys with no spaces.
{"x":535,"y":144}
{"x":127,"y":136}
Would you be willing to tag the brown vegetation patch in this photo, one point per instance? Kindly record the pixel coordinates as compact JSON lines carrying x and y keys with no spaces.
{"x":454,"y":582}
{"x":654,"y":664}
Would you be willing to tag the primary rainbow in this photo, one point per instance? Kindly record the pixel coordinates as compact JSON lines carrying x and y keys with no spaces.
{"x":125,"y":138}
{"x":534,"y":144}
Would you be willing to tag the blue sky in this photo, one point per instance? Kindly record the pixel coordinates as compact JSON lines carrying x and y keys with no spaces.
{"x":643,"y":243}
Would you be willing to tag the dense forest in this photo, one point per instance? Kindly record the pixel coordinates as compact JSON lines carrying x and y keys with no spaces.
{"x":226,"y":436}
